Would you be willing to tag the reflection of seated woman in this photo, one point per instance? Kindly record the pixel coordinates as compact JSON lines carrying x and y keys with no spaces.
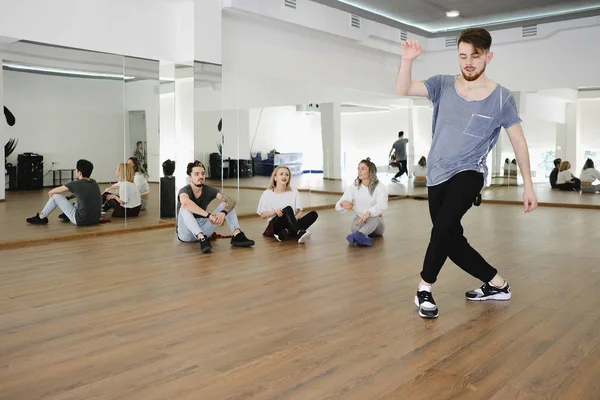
{"x":280,"y":204}
{"x":368,"y":198}
{"x":566,"y":178}
{"x":588,"y":176}
{"x":421,"y":173}
{"x":140,"y":178}
{"x":127,"y":197}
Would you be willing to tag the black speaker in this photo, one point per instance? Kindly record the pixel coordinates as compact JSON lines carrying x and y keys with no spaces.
{"x":30,"y":169}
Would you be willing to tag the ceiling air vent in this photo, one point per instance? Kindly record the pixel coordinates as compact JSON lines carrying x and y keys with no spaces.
{"x":290,"y":3}
{"x":403,"y":36}
{"x":529,"y":31}
{"x":451,"y":41}
{"x":354,"y":21}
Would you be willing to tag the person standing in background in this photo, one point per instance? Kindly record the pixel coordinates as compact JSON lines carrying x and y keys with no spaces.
{"x":399,"y":149}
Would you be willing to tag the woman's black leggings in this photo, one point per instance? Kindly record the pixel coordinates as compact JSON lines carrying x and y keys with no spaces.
{"x":288,"y":221}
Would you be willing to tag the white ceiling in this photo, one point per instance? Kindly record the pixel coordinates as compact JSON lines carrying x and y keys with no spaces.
{"x":428,"y":17}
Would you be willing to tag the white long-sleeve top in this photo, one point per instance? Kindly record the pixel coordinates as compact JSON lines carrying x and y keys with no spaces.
{"x":589,"y":175}
{"x":363,"y":201}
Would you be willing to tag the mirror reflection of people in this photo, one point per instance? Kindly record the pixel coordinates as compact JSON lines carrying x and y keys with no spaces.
{"x":86,"y":210}
{"x":140,"y":154}
{"x":589,"y":175}
{"x":368,"y":198}
{"x":140,"y":178}
{"x":167,"y":190}
{"x":469,"y":111}
{"x":566,"y":180}
{"x":554,"y":173}
{"x":399,"y":156}
{"x":194,"y":222}
{"x":123,"y":197}
{"x":420,"y":173}
{"x":280,"y":205}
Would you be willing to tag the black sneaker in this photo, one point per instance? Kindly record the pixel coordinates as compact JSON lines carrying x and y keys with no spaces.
{"x":64,"y":218}
{"x":281,"y":235}
{"x":426,"y":305}
{"x":205,"y":246}
{"x":240,"y":240}
{"x":303,"y":236}
{"x":489,"y":292}
{"x":36,"y":220}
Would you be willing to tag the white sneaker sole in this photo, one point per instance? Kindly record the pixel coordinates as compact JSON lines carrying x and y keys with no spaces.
{"x":304,"y":237}
{"x":424,"y":315}
{"x":497,"y":296}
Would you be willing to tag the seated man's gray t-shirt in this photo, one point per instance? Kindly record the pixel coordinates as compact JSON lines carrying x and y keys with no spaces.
{"x":208,"y":194}
{"x":400,"y":149}
{"x":89,"y":201}
{"x":464,"y":131}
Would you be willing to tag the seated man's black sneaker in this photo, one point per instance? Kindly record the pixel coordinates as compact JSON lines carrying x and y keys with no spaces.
{"x":64,"y":218}
{"x":487,"y":291}
{"x":426,"y":305}
{"x":36,"y":220}
{"x":240,"y":240}
{"x":205,"y":246}
{"x":281,"y":235}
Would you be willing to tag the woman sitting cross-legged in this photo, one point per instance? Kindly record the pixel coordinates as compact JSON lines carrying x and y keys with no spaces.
{"x":368,"y":198}
{"x":280,"y":205}
{"x":123,"y":196}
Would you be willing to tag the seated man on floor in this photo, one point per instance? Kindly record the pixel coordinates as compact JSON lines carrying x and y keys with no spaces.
{"x":554,"y":173}
{"x":194,"y":222}
{"x":86,"y":211}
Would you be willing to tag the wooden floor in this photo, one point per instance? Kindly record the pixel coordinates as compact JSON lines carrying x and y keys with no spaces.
{"x":150,"y":318}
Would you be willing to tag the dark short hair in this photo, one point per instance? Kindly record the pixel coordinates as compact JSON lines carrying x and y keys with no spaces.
{"x":422,"y":161}
{"x":194,"y":164}
{"x":557,"y":162}
{"x":168,"y":167}
{"x":480,"y":38}
{"x":85,"y":167}
{"x":588,"y":164}
{"x":401,"y":133}
{"x":139,"y":142}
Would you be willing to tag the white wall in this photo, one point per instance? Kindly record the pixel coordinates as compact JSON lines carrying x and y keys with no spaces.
{"x":562,"y":56}
{"x":207,"y":36}
{"x":143,"y":95}
{"x":66,"y":119}
{"x":157,"y":29}
{"x":589,"y":125}
{"x":287,"y":131}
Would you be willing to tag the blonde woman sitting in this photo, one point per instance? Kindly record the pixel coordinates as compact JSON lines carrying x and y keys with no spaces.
{"x":566,"y":180}
{"x":280,"y":205}
{"x":123,"y":196}
{"x":368,"y":199}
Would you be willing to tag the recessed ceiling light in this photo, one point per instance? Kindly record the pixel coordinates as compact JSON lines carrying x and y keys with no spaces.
{"x":452,"y":14}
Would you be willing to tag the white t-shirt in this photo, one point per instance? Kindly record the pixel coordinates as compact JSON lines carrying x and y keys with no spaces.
{"x":142,"y":183}
{"x":420,"y":171}
{"x":589,"y":175}
{"x":363,"y":201}
{"x":271,"y":201}
{"x":129,"y":193}
{"x":564,"y":177}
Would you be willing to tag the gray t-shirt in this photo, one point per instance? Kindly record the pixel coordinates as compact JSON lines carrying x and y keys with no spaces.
{"x":400,"y":149}
{"x":208,"y":194}
{"x":464,"y":131}
{"x":89,"y":201}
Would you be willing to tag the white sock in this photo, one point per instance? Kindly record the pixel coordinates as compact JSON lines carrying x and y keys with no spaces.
{"x":499,"y":287}
{"x":426,"y":288}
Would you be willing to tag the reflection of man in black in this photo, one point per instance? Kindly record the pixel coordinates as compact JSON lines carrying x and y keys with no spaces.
{"x":10,"y":118}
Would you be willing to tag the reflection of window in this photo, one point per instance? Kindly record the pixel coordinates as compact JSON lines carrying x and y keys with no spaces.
{"x":593,"y":154}
{"x":545,"y":163}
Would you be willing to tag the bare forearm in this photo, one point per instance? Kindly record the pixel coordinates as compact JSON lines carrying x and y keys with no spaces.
{"x":404,"y":79}
{"x":194,"y":208}
{"x":522,"y":156}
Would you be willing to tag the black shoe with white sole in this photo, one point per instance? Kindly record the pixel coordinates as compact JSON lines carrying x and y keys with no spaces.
{"x":303,"y":236}
{"x":426,"y":304}
{"x":205,"y":246}
{"x":488,"y":291}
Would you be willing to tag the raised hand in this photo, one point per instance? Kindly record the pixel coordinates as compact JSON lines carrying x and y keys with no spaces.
{"x":411,"y":49}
